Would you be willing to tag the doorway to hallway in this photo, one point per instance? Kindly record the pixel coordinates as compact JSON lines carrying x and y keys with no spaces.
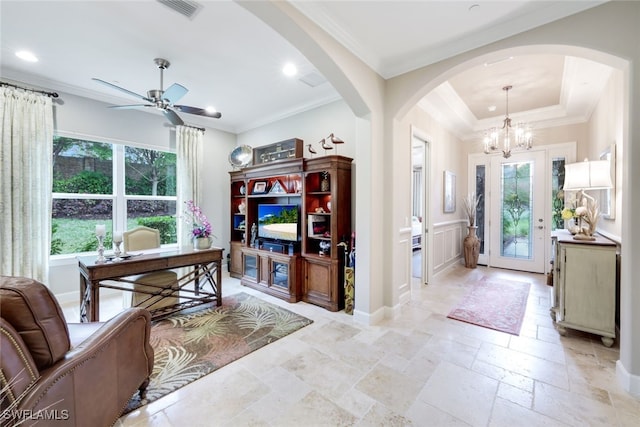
{"x":419,"y":208}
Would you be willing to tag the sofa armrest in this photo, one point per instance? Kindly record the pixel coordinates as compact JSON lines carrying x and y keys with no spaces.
{"x":96,"y":379}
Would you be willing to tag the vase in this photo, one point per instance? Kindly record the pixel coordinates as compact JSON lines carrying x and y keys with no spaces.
{"x":324,"y":183}
{"x":471,"y":245}
{"x":201,"y":242}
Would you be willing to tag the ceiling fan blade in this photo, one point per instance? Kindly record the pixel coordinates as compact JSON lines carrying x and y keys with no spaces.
{"x":111,"y":85}
{"x":130,"y":106}
{"x":172,"y":117}
{"x":198,"y":111}
{"x":174,"y":93}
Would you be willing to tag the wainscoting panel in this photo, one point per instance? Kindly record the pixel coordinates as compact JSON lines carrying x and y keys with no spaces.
{"x":404,"y":292}
{"x":447,"y":243}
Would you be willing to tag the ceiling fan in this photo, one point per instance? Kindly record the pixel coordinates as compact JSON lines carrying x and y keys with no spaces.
{"x":164,"y":99}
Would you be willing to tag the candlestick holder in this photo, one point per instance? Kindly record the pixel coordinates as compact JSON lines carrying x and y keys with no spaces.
{"x":101,"y":259}
{"x":116,"y":251}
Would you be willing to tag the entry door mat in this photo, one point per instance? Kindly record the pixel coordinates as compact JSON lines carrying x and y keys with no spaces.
{"x":498,"y":305}
{"x":190,"y":346}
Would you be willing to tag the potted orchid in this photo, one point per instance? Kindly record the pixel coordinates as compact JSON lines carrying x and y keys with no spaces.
{"x":200,"y":225}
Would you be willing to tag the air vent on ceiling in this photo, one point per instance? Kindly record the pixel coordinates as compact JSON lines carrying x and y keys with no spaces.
{"x":313,"y":79}
{"x":183,"y":7}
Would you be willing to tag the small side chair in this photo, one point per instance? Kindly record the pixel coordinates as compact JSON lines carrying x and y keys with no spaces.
{"x":161,"y":282}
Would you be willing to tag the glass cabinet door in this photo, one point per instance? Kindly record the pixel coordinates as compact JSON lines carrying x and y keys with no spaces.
{"x":250,"y":266}
{"x":280,"y":274}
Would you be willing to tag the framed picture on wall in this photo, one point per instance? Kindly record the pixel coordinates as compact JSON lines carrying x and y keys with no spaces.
{"x":449,"y":195}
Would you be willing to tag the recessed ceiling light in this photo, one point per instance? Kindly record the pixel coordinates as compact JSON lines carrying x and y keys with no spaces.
{"x":492,"y":108}
{"x":290,"y":70}
{"x":25,"y":55}
{"x":210,"y":109}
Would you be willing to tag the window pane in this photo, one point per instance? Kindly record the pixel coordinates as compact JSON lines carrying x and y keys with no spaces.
{"x":517,"y":191}
{"x":149,"y":172}
{"x":82,"y":167}
{"x":158,"y":214}
{"x":74,"y":224}
{"x":557,"y":201}
{"x":480,"y":211}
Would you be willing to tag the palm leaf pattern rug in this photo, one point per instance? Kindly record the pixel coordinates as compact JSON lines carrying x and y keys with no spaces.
{"x":191,"y":345}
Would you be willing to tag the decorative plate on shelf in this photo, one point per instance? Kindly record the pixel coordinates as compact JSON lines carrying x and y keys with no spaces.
{"x":241,"y":156}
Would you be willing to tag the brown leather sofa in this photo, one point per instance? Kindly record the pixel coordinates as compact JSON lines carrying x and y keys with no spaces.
{"x":58,"y":374}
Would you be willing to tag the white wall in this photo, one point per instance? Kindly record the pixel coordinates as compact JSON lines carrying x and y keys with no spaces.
{"x":311,"y":127}
{"x":606,"y":129}
{"x":86,"y":118}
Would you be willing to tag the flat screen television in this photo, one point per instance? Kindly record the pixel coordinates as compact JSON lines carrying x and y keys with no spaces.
{"x":279,"y":222}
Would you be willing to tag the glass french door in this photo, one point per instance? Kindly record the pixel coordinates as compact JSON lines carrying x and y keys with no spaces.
{"x":517,"y":219}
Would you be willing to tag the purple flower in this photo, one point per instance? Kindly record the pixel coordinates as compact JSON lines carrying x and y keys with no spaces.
{"x":194,"y":216}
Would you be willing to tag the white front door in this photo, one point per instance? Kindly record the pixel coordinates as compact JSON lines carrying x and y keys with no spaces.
{"x":517,"y":226}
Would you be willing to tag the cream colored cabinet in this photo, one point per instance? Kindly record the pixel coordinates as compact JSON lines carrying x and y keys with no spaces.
{"x":584,"y":285}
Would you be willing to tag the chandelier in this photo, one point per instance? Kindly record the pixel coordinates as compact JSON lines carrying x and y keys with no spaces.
{"x":518,"y":136}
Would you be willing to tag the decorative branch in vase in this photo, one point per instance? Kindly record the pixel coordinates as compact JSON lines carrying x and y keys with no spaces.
{"x":471,"y":243}
{"x":471,"y":207}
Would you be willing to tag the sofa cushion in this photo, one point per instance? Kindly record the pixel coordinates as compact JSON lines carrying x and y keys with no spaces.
{"x":30,"y":307}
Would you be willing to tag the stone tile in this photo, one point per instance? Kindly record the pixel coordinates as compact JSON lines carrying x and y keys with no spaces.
{"x":422,"y":413}
{"x":460,"y":392}
{"x":315,"y":409}
{"x":439,"y":348}
{"x":405,"y":345}
{"x":379,"y":415}
{"x":571,"y":408}
{"x":534,"y":347}
{"x":515,"y":395}
{"x":355,"y":401}
{"x":506,"y":413}
{"x":392,"y":388}
{"x":525,"y":364}
{"x":548,"y":335}
{"x":324,"y":374}
{"x":511,"y":378}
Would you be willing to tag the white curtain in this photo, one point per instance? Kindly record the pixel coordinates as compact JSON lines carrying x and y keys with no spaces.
{"x":189,"y":142}
{"x":25,"y":183}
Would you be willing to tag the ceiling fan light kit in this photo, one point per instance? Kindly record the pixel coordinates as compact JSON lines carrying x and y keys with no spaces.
{"x":519,"y":136}
{"x":164,"y":100}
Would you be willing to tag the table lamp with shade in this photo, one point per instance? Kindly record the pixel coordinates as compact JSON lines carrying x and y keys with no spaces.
{"x":584,"y":176}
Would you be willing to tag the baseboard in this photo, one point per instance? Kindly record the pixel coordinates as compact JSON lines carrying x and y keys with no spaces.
{"x":368,"y":319}
{"x":74,"y":296}
{"x":628,"y":381}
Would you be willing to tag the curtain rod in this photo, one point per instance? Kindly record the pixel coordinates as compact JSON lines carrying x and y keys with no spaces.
{"x":44,"y":92}
{"x":195,"y":127}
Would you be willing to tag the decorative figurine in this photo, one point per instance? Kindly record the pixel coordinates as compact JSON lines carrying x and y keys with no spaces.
{"x":254,"y":231}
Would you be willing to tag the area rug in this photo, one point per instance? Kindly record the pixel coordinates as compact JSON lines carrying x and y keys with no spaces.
{"x":493,"y":304}
{"x":192,"y":345}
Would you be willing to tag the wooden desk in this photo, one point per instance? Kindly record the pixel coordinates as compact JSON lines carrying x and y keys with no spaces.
{"x":113,"y":275}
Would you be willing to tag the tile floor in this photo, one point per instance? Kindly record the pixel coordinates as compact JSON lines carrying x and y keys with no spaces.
{"x":421,"y":369}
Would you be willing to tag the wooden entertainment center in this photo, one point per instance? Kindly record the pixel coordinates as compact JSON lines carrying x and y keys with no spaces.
{"x":308,"y":267}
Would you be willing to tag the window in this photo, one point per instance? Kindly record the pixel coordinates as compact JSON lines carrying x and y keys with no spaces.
{"x":557,"y":195}
{"x":112,"y":184}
